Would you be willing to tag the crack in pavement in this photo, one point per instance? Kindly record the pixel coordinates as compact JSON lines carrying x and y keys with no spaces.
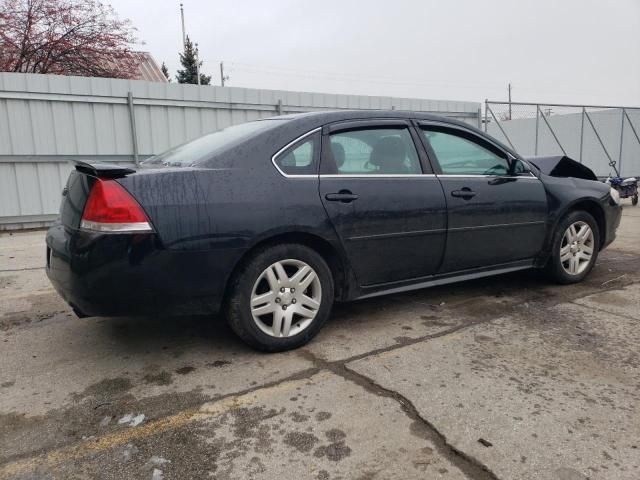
{"x":467,"y":464}
{"x":21,"y":269}
{"x":608,"y":312}
{"x":21,"y":463}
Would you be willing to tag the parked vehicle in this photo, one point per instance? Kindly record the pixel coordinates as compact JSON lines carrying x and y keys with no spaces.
{"x":272,"y":221}
{"x":626,"y":187}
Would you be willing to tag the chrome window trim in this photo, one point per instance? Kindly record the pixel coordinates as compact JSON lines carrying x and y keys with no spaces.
{"x":377,"y":175}
{"x":385,"y":175}
{"x":462,"y":175}
{"x":275,"y":156}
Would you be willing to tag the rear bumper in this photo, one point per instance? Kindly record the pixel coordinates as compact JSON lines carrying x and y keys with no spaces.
{"x":131,"y":274}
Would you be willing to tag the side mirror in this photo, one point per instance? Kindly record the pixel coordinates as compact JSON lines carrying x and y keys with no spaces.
{"x":518,"y":167}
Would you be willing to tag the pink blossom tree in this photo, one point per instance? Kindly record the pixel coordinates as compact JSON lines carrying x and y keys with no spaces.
{"x":67,"y":37}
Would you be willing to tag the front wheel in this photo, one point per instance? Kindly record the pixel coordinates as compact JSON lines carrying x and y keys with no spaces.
{"x":634,"y":200}
{"x":280,"y":298}
{"x":574,"y":249}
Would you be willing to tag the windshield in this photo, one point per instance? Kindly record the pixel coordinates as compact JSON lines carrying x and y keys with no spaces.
{"x":201,"y":149}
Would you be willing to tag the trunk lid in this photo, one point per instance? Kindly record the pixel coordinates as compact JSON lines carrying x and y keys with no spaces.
{"x":79,"y":184}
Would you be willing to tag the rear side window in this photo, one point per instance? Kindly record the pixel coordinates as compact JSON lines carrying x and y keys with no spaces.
{"x":459,"y":155}
{"x":202,"y":149}
{"x":381,"y":151}
{"x":301,"y":158}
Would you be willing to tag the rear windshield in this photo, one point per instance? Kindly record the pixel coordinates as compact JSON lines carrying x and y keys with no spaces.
{"x":201,"y":149}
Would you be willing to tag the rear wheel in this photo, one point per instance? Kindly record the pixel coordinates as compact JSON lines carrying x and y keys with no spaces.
{"x":281,"y":297}
{"x":575,"y":248}
{"x":634,"y":200}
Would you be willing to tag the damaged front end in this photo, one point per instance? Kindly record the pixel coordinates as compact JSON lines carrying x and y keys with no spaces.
{"x":562,"y":166}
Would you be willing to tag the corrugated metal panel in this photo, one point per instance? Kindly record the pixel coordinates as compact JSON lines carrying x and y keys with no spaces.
{"x":47,"y":120}
{"x":567,"y":128}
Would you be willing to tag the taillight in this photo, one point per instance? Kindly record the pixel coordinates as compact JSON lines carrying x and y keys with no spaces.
{"x":111,"y":209}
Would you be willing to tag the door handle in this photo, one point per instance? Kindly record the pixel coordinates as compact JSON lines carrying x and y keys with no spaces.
{"x":466,"y":193}
{"x":344,"y":196}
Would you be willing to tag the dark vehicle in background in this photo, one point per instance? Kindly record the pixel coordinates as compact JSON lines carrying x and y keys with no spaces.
{"x":272,"y":221}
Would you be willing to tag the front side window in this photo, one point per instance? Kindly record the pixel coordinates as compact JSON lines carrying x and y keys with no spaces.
{"x":300,"y":159}
{"x":458,"y":155}
{"x":382,"y":151}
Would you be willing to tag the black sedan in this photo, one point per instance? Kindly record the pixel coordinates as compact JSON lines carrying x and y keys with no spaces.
{"x":272,"y":221}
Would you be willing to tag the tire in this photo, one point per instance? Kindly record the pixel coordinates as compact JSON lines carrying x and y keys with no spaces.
{"x":634,"y":200}
{"x":263,"y":325}
{"x":567,"y":271}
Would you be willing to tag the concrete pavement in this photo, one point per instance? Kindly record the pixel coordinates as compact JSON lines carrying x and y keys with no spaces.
{"x":509,"y":377}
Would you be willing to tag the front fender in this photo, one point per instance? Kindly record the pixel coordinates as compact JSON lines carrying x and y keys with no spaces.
{"x":568,"y":194}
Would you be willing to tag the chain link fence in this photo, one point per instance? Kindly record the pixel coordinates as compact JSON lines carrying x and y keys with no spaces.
{"x":604,"y":138}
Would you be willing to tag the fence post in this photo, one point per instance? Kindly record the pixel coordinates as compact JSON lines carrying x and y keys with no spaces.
{"x":134,"y":134}
{"x":486,"y":106}
{"x":581,"y":132}
{"x":479,"y":118}
{"x":621,"y":140}
{"x":537,"y":126}
{"x":279,"y":107}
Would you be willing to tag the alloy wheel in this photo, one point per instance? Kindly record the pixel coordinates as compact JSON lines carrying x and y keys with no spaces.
{"x":286,"y":298}
{"x":576,"y":249}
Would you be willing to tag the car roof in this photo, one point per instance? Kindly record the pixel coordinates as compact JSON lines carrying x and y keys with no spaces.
{"x":328,"y":116}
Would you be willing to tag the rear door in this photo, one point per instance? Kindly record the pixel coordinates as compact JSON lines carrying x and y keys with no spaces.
{"x":497,"y":208}
{"x":383,"y":200}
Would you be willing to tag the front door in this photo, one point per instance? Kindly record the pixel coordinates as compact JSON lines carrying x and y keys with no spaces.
{"x":390,"y":217}
{"x":496,"y":211}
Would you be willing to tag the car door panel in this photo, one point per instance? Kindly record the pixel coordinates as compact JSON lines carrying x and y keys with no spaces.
{"x":494,"y":216}
{"x":392,"y":225}
{"x":396,"y":228}
{"x":503,"y":222}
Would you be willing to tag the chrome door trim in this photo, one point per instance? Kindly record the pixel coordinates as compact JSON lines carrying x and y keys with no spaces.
{"x":275,"y":155}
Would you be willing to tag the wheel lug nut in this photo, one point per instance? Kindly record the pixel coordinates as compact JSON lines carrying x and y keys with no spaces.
{"x":293,"y":290}
{"x":282,"y":289}
{"x":293,"y":300}
{"x":284,"y":307}
{"x":277,"y":300}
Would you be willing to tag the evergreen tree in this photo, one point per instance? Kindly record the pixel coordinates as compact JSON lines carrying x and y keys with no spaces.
{"x":188,"y":60}
{"x":165,"y":72}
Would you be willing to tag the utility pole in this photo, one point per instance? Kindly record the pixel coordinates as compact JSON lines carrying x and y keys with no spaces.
{"x":223,"y":77}
{"x":509,"y":100}
{"x":197,"y":63}
{"x":184,"y":36}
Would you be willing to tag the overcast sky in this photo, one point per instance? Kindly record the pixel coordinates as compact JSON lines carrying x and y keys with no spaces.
{"x":582,"y":51}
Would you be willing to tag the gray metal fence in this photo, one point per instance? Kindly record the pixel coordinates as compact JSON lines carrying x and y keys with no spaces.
{"x":604,"y":138}
{"x":48,"y":120}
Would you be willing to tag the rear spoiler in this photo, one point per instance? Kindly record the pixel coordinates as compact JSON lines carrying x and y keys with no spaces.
{"x":103,"y":170}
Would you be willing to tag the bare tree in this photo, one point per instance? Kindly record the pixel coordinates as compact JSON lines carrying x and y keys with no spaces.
{"x":68,"y":37}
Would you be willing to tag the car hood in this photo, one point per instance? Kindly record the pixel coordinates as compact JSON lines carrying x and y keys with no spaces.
{"x":562,"y":166}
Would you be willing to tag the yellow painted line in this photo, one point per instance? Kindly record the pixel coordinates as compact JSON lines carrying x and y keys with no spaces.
{"x":122,"y":437}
